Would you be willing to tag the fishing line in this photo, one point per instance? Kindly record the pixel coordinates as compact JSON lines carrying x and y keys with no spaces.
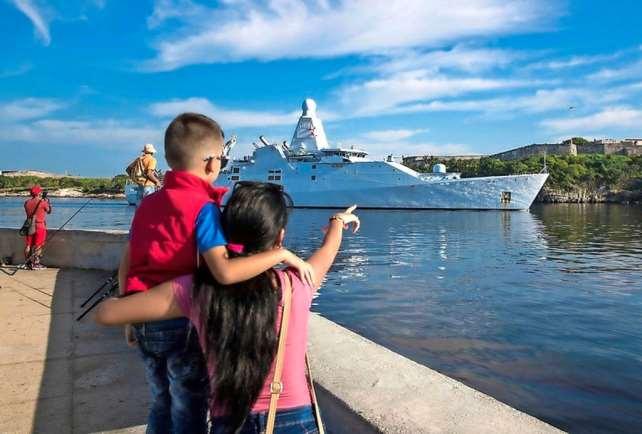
{"x":48,"y":239}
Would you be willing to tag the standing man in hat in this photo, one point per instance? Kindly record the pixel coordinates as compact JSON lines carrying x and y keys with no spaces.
{"x":37,"y":209}
{"x":145,"y":176}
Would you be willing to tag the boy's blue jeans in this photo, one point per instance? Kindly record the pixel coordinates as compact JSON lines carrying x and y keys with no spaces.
{"x":299,"y":420}
{"x":177,"y":375}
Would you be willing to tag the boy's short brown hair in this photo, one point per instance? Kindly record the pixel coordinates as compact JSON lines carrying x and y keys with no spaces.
{"x":186,"y":135}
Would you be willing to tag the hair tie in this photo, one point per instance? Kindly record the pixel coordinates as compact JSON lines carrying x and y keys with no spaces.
{"x":236,"y":248}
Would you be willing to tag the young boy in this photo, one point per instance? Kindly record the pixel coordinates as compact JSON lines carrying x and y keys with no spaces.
{"x":171,"y":229}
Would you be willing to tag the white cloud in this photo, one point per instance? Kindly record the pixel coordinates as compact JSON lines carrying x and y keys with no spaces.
{"x":166,"y":10}
{"x":460,"y":58}
{"x":390,"y":135}
{"x":277,"y":29}
{"x":108,"y":133}
{"x":228,"y":118}
{"x":610,"y":117}
{"x":28,"y":108}
{"x":633,"y":70}
{"x":16,"y":71}
{"x":388,"y":94}
{"x":575,"y":61}
{"x":540,"y":101}
{"x":41,"y":26}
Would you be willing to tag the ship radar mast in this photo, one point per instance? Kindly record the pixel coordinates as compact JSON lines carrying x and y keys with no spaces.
{"x":309,"y":135}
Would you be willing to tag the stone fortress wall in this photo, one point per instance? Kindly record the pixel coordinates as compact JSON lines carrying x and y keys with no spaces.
{"x":630,"y":147}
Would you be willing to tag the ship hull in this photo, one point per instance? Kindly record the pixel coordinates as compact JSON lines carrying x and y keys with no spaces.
{"x":513,"y":192}
{"x":131,"y":194}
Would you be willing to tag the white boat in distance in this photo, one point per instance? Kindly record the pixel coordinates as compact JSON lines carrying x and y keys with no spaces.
{"x":316,"y":175}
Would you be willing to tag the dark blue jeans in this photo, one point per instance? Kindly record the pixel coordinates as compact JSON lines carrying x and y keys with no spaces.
{"x":177,"y":375}
{"x":298,"y":420}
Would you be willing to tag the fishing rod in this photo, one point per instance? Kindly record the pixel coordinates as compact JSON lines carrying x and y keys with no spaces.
{"x":50,"y":237}
{"x":68,"y":220}
{"x":109,"y":288}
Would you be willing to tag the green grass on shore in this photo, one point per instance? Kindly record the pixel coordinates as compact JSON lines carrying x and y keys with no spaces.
{"x":114,"y":185}
{"x":567,"y":172}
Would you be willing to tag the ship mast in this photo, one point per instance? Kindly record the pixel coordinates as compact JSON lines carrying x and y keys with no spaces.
{"x":309,"y":135}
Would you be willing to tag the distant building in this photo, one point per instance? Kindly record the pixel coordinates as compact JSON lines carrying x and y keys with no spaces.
{"x":636,"y":142}
{"x":602,"y":146}
{"x":537,"y":149}
{"x":426,"y":161}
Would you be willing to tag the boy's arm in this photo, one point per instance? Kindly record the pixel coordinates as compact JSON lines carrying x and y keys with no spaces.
{"x":232,"y":270}
{"x":211,"y":242}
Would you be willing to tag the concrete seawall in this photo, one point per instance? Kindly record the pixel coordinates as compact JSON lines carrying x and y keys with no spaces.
{"x":363,"y":387}
{"x":84,"y":249}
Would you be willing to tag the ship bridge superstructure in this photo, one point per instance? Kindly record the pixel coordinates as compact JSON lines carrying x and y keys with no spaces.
{"x":316,"y":174}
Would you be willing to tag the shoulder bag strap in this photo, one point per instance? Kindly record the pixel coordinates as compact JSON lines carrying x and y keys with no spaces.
{"x":143,"y":168}
{"x":313,"y":396}
{"x":277,"y":387}
{"x":35,"y":210}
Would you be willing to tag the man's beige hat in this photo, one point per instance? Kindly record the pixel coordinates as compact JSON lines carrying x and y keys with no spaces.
{"x":149,"y":149}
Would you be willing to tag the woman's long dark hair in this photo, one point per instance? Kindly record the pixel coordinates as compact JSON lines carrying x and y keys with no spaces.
{"x":239,"y":320}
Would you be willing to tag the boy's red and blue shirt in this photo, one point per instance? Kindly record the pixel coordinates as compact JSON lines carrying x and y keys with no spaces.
{"x":171,"y":227}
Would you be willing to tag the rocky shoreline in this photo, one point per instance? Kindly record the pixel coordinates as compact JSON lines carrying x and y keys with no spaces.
{"x":66,"y":193}
{"x":602,"y":195}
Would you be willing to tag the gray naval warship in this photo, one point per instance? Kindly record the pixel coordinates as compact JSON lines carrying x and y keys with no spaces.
{"x":317,"y":175}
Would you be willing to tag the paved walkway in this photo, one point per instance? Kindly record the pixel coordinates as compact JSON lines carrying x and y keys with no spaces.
{"x":61,"y":376}
{"x":58,"y":375}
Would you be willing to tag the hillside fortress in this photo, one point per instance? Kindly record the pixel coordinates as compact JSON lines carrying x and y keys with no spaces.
{"x":630,"y":147}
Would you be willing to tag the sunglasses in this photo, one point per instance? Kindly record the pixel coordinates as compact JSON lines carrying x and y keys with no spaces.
{"x":222,"y":158}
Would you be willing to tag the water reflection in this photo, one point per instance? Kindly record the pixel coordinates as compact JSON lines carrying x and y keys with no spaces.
{"x":541,"y":310}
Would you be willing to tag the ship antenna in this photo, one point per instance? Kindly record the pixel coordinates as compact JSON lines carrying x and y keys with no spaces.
{"x":264,"y":140}
{"x":545,"y":168}
{"x":229,"y":145}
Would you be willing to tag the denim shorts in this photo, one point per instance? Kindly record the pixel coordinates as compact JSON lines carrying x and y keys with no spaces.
{"x":298,"y":420}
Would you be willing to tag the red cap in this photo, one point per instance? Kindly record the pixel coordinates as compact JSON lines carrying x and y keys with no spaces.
{"x":35,"y":190}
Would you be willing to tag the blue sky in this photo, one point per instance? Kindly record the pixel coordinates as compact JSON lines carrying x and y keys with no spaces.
{"x":84,"y":84}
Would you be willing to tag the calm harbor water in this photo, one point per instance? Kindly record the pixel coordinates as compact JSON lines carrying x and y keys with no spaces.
{"x":539,"y":309}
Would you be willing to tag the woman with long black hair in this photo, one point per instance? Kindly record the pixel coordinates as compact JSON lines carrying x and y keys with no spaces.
{"x":238,"y":325}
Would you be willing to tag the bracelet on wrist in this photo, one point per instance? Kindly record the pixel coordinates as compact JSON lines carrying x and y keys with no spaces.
{"x":337,"y":218}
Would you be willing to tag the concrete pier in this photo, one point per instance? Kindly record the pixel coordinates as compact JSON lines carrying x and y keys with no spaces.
{"x":61,"y":376}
